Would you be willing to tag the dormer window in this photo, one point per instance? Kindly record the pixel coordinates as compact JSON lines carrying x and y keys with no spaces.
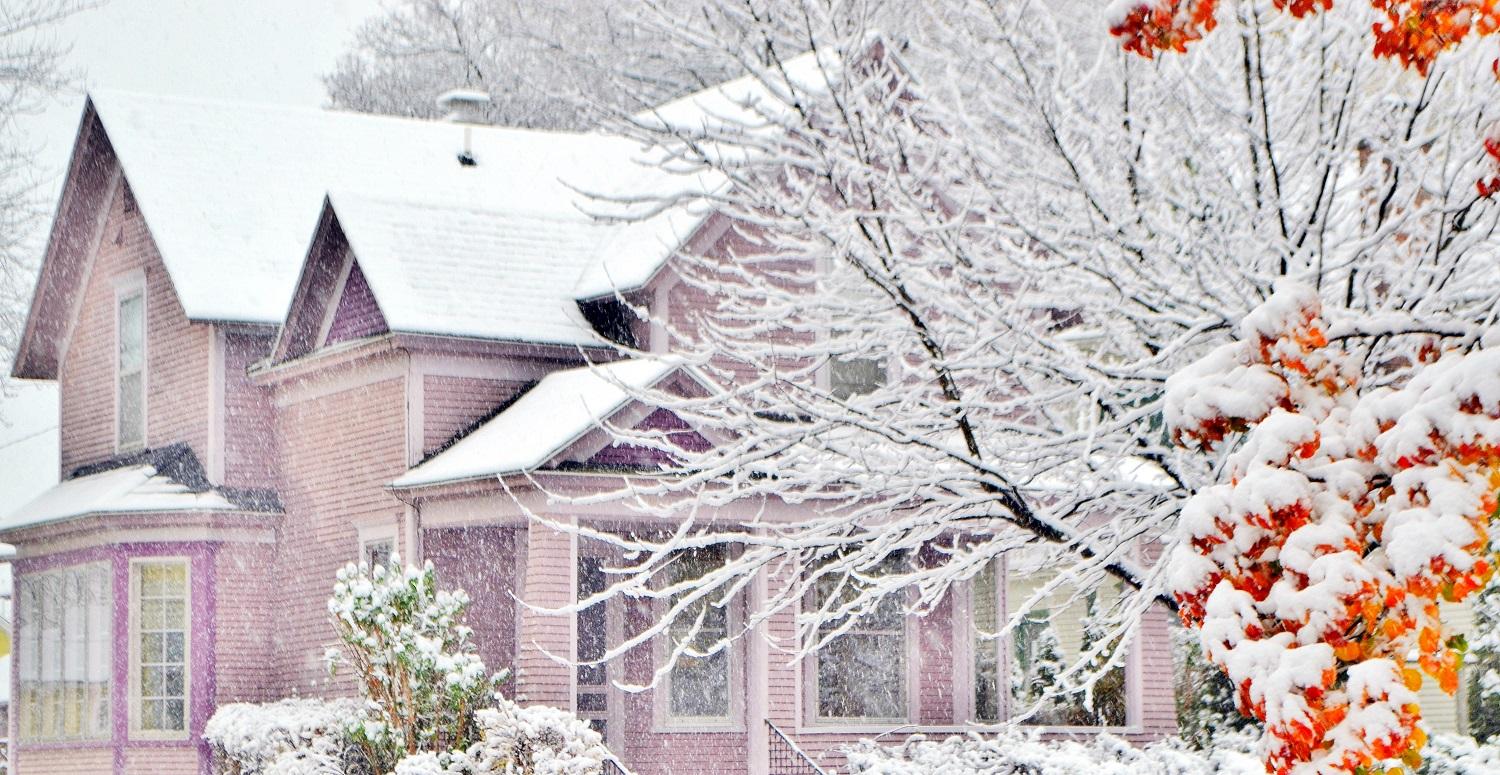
{"x":130,"y":365}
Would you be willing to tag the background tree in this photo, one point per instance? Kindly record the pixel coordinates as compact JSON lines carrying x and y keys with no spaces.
{"x":31,"y":70}
{"x":554,"y":64}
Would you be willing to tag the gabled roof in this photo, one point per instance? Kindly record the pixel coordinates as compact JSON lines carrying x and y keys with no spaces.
{"x":541,"y":424}
{"x":233,"y":185}
{"x":460,"y":269}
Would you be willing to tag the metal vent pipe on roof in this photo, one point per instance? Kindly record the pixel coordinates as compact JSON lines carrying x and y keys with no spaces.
{"x":467,"y":107}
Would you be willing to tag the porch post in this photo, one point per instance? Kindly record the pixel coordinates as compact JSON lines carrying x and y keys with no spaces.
{"x":549,"y":579}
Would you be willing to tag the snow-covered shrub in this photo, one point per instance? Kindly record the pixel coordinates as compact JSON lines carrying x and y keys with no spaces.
{"x":537,"y":741}
{"x":289,"y":737}
{"x":1014,"y":752}
{"x":1459,"y":755}
{"x":411,"y":653}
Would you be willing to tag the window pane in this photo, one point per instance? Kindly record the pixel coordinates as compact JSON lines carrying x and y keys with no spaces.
{"x":855,"y":376}
{"x":1053,"y":636}
{"x":132,"y":410}
{"x":161,"y":646}
{"x":986,"y":613}
{"x":698,"y":686}
{"x":861,"y":674}
{"x":132,"y":333}
{"x":63,"y":674}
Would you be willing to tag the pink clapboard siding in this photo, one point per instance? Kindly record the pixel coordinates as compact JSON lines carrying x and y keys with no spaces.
{"x":244,"y":629}
{"x":177,"y":351}
{"x":336,"y":451}
{"x":249,"y":417}
{"x":481,"y":561}
{"x":453,"y":404}
{"x":357,"y":315}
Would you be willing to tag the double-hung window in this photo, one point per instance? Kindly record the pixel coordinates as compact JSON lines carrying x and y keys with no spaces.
{"x":160,"y":646}
{"x":64,"y":652}
{"x":861,"y":674}
{"x":698,"y":688}
{"x":130,"y":366}
{"x":1019,"y":677}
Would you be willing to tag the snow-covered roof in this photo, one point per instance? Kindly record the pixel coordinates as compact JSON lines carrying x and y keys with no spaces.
{"x":460,"y":270}
{"x":230,"y":185}
{"x":131,"y":489}
{"x":563,"y":407}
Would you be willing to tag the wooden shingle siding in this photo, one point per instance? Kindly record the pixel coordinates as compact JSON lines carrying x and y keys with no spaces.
{"x":249,"y":417}
{"x":177,"y":351}
{"x":336,"y":453}
{"x":454,"y":404}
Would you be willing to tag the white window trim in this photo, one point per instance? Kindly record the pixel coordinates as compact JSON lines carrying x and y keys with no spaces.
{"x":134,"y":698}
{"x":373,"y":534}
{"x":665,"y":722}
{"x":814,"y":722}
{"x":127,"y":285}
{"x":21,"y":714}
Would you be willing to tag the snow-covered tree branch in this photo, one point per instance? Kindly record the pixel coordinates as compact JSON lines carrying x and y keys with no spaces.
{"x":973,"y":241}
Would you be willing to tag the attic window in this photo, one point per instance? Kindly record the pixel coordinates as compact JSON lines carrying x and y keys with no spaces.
{"x":130,"y":365}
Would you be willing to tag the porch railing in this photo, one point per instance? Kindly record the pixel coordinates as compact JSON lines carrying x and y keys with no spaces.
{"x":614,"y":767}
{"x":786,"y":758}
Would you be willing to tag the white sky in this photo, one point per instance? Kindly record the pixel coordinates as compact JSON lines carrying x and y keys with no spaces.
{"x":250,"y":50}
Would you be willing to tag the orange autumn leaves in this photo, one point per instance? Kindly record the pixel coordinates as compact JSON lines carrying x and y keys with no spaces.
{"x":1413,"y":32}
{"x":1314,"y":572}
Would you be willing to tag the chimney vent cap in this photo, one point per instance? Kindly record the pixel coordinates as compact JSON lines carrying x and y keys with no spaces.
{"x":465,"y":106}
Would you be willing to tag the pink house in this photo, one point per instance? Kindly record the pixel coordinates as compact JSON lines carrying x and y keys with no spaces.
{"x":287,"y":339}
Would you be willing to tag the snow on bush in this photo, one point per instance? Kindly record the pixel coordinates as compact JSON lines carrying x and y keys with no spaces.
{"x":279,"y":737}
{"x":430,"y":707}
{"x":411,"y":653}
{"x":1016,"y":752}
{"x":1314,"y":570}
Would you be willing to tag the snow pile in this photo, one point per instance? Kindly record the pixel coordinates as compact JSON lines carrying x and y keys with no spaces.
{"x":1013,"y":752}
{"x":1314,"y":569}
{"x":282,"y":738}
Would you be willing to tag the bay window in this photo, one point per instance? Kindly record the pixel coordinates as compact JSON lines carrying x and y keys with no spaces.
{"x":130,"y":367}
{"x":160,"y":645}
{"x":64,"y":653}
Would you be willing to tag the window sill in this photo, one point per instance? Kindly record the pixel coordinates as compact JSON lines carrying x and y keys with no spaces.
{"x":697,"y":728}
